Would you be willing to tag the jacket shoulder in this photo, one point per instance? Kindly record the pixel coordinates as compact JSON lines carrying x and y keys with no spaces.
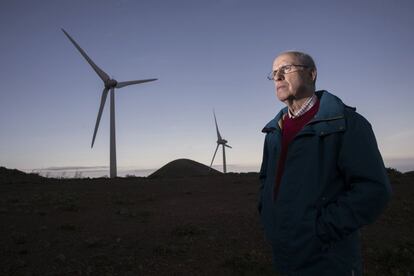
{"x":353,"y":118}
{"x":349,"y":108}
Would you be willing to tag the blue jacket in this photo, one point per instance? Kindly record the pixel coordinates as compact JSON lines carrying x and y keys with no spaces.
{"x":334,"y":182}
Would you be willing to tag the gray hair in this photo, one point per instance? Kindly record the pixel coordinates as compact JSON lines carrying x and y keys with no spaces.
{"x":304,"y":59}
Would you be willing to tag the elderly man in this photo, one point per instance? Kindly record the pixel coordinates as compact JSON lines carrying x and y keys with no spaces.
{"x":322,"y":176}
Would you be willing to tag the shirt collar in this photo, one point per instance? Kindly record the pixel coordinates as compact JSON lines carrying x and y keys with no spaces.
{"x":310,"y":102}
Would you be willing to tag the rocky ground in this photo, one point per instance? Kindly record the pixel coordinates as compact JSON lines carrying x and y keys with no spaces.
{"x":181,"y":226}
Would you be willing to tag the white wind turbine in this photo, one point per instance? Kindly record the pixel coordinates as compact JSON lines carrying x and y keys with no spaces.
{"x":220,"y":141}
{"x":110,"y":84}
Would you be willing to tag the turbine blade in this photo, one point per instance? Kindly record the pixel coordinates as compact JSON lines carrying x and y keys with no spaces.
{"x":98,"y":119}
{"x":218,"y":132}
{"x":126,"y":83}
{"x":214,"y":155}
{"x":104,"y":76}
{"x":228,"y":146}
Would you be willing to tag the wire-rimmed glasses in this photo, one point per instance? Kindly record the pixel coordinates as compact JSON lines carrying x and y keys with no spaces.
{"x":285,"y":69}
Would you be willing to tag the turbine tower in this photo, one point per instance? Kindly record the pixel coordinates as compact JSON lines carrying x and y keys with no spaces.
{"x":110,"y":85}
{"x":220,"y":141}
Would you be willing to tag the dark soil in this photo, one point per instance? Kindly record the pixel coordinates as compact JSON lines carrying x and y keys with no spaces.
{"x":183,"y":226}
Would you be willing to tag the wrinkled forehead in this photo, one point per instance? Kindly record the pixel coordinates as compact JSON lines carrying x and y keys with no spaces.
{"x":284,"y":59}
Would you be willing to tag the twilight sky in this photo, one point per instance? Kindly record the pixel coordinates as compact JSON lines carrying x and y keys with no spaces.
{"x":206,"y":54}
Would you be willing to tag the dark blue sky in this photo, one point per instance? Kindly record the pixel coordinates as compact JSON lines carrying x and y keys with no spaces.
{"x":206,"y":54}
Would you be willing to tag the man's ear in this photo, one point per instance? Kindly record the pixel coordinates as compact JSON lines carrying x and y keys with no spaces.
{"x":314,"y":73}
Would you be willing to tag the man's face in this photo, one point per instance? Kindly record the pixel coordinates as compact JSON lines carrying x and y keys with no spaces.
{"x":295,"y":84}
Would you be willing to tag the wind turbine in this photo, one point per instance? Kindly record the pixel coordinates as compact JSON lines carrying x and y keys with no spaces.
{"x":220,"y":141}
{"x":110,"y":84}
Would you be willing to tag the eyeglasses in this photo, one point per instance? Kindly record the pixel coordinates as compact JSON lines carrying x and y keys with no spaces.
{"x":285,"y":69}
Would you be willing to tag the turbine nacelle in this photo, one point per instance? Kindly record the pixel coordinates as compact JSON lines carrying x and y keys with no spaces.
{"x":111,"y":83}
{"x":222,"y":141}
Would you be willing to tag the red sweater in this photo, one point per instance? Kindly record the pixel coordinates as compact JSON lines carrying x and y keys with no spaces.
{"x":291,"y":127}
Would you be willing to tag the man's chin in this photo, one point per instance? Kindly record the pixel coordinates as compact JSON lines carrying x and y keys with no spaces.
{"x":283,"y":97}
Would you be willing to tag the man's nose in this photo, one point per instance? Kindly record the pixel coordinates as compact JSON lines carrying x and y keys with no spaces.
{"x":279,"y":76}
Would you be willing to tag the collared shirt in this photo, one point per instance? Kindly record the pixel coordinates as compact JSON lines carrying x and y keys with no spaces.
{"x":305,"y":107}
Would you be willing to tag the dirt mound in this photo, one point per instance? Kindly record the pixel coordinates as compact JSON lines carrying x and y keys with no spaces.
{"x":183,"y":168}
{"x":12,"y":176}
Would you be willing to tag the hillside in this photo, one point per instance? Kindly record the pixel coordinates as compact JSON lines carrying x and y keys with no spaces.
{"x":12,"y":176}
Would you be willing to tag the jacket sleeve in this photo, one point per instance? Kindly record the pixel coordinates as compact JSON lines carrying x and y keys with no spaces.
{"x":262,"y":175}
{"x":361,"y":165}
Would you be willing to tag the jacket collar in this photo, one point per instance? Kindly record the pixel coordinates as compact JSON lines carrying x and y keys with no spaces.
{"x":330,"y":108}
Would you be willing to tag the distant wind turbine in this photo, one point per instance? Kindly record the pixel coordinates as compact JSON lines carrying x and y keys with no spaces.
{"x":110,"y":84}
{"x":220,"y":141}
